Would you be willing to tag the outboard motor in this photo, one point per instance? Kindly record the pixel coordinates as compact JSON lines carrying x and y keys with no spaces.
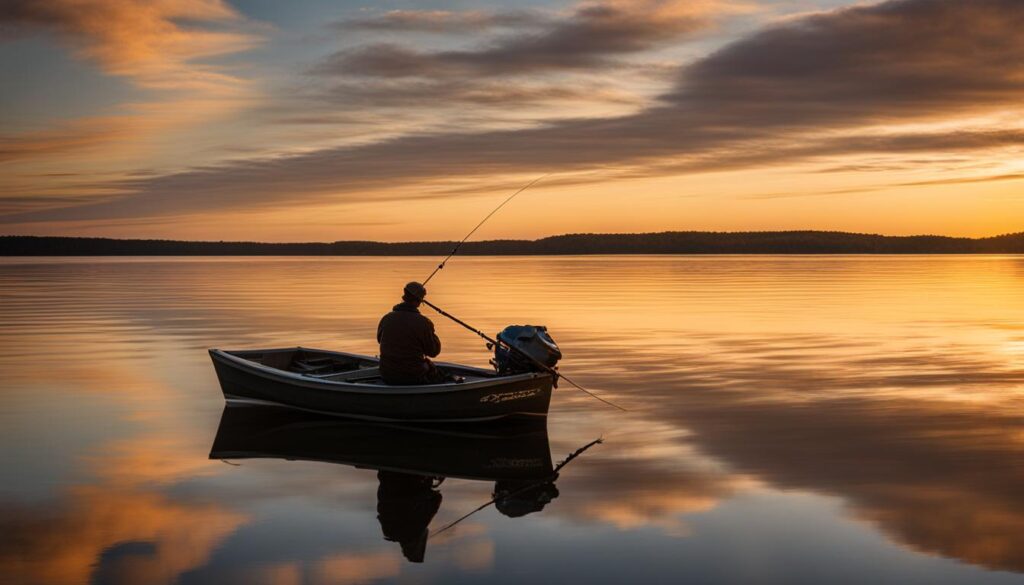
{"x":534,"y":341}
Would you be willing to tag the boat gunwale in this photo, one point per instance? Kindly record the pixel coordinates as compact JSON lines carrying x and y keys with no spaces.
{"x":241,"y":402}
{"x":229,"y":358}
{"x":460,"y":432}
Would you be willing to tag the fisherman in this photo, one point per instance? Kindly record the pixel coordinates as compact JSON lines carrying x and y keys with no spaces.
{"x":407,"y":342}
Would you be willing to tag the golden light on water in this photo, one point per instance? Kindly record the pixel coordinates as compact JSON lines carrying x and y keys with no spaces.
{"x":746,"y":377}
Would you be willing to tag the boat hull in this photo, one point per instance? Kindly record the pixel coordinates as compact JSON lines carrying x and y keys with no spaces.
{"x":483,"y":397}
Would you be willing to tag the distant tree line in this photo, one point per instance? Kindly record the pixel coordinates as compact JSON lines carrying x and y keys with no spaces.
{"x":794,"y":242}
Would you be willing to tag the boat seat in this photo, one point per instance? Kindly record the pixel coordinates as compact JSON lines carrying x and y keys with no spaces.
{"x":315,"y":361}
{"x":306,"y":367}
{"x":349,"y":376}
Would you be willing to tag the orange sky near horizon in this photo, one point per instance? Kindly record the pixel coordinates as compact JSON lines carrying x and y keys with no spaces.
{"x":210,"y":120}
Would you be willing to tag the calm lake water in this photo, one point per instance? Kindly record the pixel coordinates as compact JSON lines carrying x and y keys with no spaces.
{"x":792,"y":420}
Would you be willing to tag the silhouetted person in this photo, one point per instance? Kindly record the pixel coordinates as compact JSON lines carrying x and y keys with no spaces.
{"x":406,"y":504}
{"x":407,"y":342}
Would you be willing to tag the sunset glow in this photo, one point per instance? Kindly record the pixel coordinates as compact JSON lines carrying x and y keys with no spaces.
{"x":208,"y":119}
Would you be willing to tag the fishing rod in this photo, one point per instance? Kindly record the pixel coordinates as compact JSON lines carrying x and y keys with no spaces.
{"x":484,"y":220}
{"x":552,"y":477}
{"x":495,"y":342}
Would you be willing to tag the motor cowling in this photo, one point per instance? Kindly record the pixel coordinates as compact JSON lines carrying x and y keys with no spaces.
{"x":532,"y":340}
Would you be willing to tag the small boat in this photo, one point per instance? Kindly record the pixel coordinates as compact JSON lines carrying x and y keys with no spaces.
{"x":508,"y":451}
{"x":347,"y":384}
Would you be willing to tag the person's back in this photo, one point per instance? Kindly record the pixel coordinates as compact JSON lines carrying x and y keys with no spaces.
{"x":406,"y":340}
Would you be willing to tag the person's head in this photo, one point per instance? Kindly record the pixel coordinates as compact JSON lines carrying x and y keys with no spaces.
{"x":414,"y":293}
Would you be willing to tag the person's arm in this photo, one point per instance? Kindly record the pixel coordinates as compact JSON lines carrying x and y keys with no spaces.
{"x":433,"y":342}
{"x":379,"y":326}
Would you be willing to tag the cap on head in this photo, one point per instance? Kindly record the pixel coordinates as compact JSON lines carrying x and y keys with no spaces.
{"x":414,"y":291}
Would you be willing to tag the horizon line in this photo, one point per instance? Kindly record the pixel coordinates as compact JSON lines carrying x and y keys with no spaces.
{"x":553,"y":236}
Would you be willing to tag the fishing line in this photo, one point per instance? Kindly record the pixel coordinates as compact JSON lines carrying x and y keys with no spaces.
{"x":494,"y":342}
{"x":484,"y":220}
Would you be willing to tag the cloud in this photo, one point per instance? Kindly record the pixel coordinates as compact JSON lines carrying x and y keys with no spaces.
{"x":973,"y":179}
{"x":826,"y":84}
{"x":163,"y":46}
{"x":967,"y":180}
{"x":83,"y":157}
{"x":77,"y":135}
{"x":880,"y":62}
{"x":535,"y":58}
{"x":443,"y":21}
{"x":461,"y":92}
{"x":155,"y":44}
{"x":587,"y":38}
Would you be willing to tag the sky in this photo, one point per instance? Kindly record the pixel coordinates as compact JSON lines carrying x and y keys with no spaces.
{"x":320,"y":120}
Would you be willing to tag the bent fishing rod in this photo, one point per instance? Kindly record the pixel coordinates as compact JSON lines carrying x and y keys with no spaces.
{"x":493,"y":342}
{"x":455,"y":250}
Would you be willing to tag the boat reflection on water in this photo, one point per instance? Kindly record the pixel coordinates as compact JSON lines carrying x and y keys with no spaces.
{"x":411,"y":461}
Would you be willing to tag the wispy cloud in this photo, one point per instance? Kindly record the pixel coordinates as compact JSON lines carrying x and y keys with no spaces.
{"x":520,"y":59}
{"x":443,"y":21}
{"x":77,"y":135}
{"x":165,"y":48}
{"x":156,"y":44}
{"x":383,"y":94}
{"x":588,"y":37}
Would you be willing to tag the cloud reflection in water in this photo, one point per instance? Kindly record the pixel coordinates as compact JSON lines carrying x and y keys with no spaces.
{"x":883,"y":382}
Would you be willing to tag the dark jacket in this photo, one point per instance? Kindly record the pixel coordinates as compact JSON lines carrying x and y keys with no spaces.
{"x":406,"y":339}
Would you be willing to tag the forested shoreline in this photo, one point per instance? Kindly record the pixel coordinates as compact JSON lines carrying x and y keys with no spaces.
{"x":782,"y":242}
